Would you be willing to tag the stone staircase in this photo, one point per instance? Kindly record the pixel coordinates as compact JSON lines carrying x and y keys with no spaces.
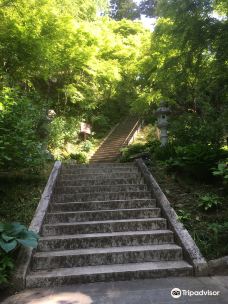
{"x":110,"y":148}
{"x":103,"y":224}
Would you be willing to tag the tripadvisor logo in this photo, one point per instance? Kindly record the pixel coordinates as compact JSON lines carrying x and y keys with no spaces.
{"x":177,"y":293}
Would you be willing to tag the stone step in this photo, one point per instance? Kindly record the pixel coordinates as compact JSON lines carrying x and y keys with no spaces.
{"x":99,"y":188}
{"x":101,"y":215}
{"x":108,"y":151}
{"x":101,"y":181}
{"x":104,"y":240}
{"x":101,"y":196}
{"x":65,"y":177}
{"x":104,"y":226}
{"x":99,"y":170}
{"x":69,"y":276}
{"x":102,"y":205}
{"x":103,"y":159}
{"x":106,"y":165}
{"x":106,"y":256}
{"x":110,"y":146}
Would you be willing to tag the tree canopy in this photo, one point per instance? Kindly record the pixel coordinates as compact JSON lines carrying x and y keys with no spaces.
{"x":121,"y":9}
{"x":71,"y":58}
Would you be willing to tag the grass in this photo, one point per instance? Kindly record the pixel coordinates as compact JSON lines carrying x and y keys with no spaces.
{"x":20,"y":194}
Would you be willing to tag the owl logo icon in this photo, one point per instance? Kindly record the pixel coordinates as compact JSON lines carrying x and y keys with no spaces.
{"x":176,"y":293}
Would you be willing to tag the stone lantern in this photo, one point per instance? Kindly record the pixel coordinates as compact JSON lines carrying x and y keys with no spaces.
{"x":162,"y":122}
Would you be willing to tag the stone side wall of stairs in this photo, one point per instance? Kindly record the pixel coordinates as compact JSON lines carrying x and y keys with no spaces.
{"x":104,"y":224}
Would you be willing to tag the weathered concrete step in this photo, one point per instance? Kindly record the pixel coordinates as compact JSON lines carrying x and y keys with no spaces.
{"x":109,"y":147}
{"x":103,"y":159}
{"x":99,"y":188}
{"x":102,"y":181}
{"x":106,"y":165}
{"x":101,"y":196}
{"x":101,"y":215}
{"x":111,"y":151}
{"x":102,"y":205}
{"x":104,"y":240}
{"x":68,"y":276}
{"x":100,"y":170}
{"x":104,"y":226}
{"x":106,"y":256}
{"x":65,"y":177}
{"x":106,"y":158}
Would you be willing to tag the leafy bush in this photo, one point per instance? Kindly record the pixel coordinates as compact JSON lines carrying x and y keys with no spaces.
{"x":62,"y":131}
{"x":6,"y":266}
{"x":212,"y":239}
{"x":165,"y":152}
{"x":14,"y":234}
{"x":195,"y":159}
{"x":20,"y":146}
{"x":184,"y":216}
{"x":132,"y":150}
{"x":222,"y":170}
{"x":87,"y":146}
{"x":80,"y":157}
{"x":209,"y":201}
{"x":191,"y":128}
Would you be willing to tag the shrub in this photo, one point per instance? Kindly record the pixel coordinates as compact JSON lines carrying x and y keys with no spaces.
{"x":209,"y":201}
{"x":164,"y":153}
{"x":222,"y":170}
{"x":20,"y":146}
{"x":195,"y":159}
{"x":190,"y":128}
{"x":62,"y":131}
{"x":13,"y":235}
{"x":87,"y":146}
{"x":80,"y":157}
{"x":132,"y":150}
{"x":6,"y":266}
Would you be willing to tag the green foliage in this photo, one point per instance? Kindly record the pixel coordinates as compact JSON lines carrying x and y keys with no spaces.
{"x":195,"y":159}
{"x":190,"y":128}
{"x":184,"y":216}
{"x":121,"y":9}
{"x":222,"y":170}
{"x":209,"y":201}
{"x":212,"y":239}
{"x":6,"y":266}
{"x":80,"y":65}
{"x":80,"y":158}
{"x":148,"y":7}
{"x":87,"y":145}
{"x":14,"y":234}
{"x":62,"y":131}
{"x":186,"y":66}
{"x":132,"y":150}
{"x":20,"y":145}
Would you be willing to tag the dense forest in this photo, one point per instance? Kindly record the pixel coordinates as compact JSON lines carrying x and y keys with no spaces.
{"x":69,"y":61}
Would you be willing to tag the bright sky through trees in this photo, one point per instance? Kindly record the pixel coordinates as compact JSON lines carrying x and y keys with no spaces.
{"x":147,"y":22}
